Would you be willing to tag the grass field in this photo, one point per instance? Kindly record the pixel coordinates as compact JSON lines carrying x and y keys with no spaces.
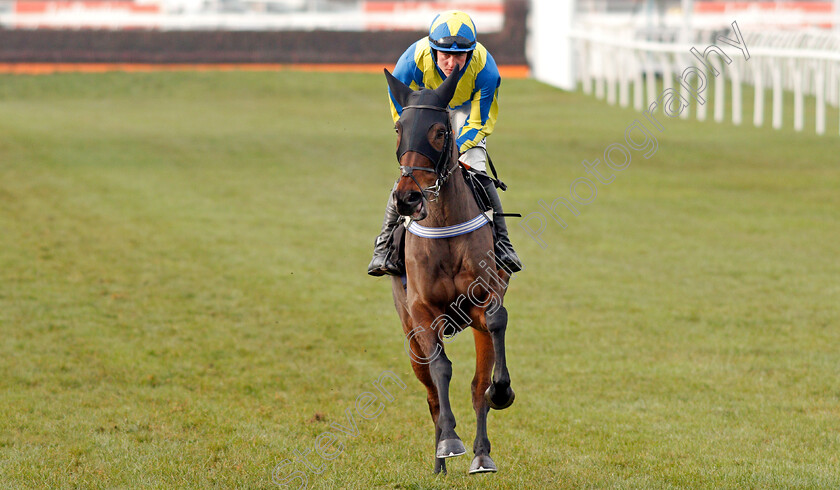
{"x":183,"y":297}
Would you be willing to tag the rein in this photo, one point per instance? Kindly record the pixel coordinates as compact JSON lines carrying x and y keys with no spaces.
{"x":443,"y":160}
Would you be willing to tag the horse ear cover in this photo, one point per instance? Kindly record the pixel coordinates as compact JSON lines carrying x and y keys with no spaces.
{"x":399,"y":90}
{"x":447,"y":89}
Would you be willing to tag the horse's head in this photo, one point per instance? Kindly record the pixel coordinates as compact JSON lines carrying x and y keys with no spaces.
{"x":424,"y":143}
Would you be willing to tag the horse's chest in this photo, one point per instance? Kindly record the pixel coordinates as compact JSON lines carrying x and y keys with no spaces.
{"x":434,"y":289}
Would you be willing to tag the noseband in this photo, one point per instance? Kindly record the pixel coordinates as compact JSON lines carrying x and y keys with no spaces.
{"x":442,"y":161}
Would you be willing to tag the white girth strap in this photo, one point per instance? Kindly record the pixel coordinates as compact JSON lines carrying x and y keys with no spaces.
{"x":449,"y":231}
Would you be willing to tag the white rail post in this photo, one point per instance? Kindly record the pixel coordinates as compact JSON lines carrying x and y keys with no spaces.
{"x":584,"y":71}
{"x":684,"y":93}
{"x":667,"y":72}
{"x":624,"y":79}
{"x":720,"y":91}
{"x":639,"y":82}
{"x":798,"y":96}
{"x":611,"y":74}
{"x":758,"y":103}
{"x":736,"y":92}
{"x":599,"y":74}
{"x":667,"y":81}
{"x":701,"y":108}
{"x":650,"y":77}
{"x":819,"y":80}
{"x":777,"y":95}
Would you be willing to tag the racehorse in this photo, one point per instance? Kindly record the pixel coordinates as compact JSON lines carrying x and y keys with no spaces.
{"x":452,"y":280}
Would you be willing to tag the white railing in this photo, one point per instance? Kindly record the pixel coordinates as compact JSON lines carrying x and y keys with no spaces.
{"x":609,"y":63}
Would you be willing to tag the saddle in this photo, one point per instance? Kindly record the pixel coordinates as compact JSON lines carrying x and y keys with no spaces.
{"x":481,"y":198}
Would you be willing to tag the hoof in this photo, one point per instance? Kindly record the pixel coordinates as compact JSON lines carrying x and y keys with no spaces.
{"x":482,"y":464}
{"x":449,"y":448}
{"x":499,"y":401}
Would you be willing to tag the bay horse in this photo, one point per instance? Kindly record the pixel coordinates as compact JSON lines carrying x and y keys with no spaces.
{"x":452,"y":280}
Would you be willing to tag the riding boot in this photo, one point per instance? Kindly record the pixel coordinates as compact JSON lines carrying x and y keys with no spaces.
{"x":382,"y":262}
{"x":505,"y":255}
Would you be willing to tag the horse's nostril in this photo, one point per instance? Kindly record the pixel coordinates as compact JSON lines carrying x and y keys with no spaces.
{"x":407,"y":202}
{"x":411,"y":197}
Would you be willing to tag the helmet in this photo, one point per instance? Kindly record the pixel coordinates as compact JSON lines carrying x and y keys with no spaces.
{"x":452,"y":31}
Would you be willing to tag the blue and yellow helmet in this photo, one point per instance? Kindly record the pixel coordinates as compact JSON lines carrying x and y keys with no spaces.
{"x":452,"y":31}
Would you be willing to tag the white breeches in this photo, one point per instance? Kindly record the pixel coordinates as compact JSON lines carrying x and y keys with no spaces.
{"x":475,"y":157}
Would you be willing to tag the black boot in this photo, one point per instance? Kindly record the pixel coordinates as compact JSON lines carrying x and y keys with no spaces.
{"x":505,"y":256}
{"x":382,"y":262}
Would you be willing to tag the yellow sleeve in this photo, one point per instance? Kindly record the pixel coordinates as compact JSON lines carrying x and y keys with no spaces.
{"x":475,"y":130}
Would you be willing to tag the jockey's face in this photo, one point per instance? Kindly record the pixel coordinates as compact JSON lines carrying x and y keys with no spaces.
{"x":448,"y":61}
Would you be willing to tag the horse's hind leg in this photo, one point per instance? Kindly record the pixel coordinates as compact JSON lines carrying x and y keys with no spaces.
{"x":499,"y":395}
{"x":482,"y":463}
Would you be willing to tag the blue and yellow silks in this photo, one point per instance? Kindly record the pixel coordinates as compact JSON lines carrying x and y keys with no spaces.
{"x":477,"y":90}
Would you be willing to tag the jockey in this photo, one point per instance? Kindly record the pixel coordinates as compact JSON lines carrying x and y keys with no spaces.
{"x":473,"y":109}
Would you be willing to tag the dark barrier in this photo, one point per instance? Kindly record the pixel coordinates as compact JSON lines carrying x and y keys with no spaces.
{"x":135,"y":46}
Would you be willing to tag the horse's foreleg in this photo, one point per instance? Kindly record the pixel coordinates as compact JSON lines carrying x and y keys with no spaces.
{"x":482,"y":463}
{"x":499,"y":395}
{"x":440,"y":370}
{"x":449,"y":444}
{"x":440,"y":463}
{"x":421,"y":370}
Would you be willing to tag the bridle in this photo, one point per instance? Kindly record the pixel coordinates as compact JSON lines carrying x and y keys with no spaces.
{"x":440,"y":165}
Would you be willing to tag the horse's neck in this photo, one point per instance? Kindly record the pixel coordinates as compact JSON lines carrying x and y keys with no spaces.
{"x":455,"y":204}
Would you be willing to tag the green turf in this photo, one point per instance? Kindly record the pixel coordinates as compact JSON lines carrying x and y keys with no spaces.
{"x":183,"y":298}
